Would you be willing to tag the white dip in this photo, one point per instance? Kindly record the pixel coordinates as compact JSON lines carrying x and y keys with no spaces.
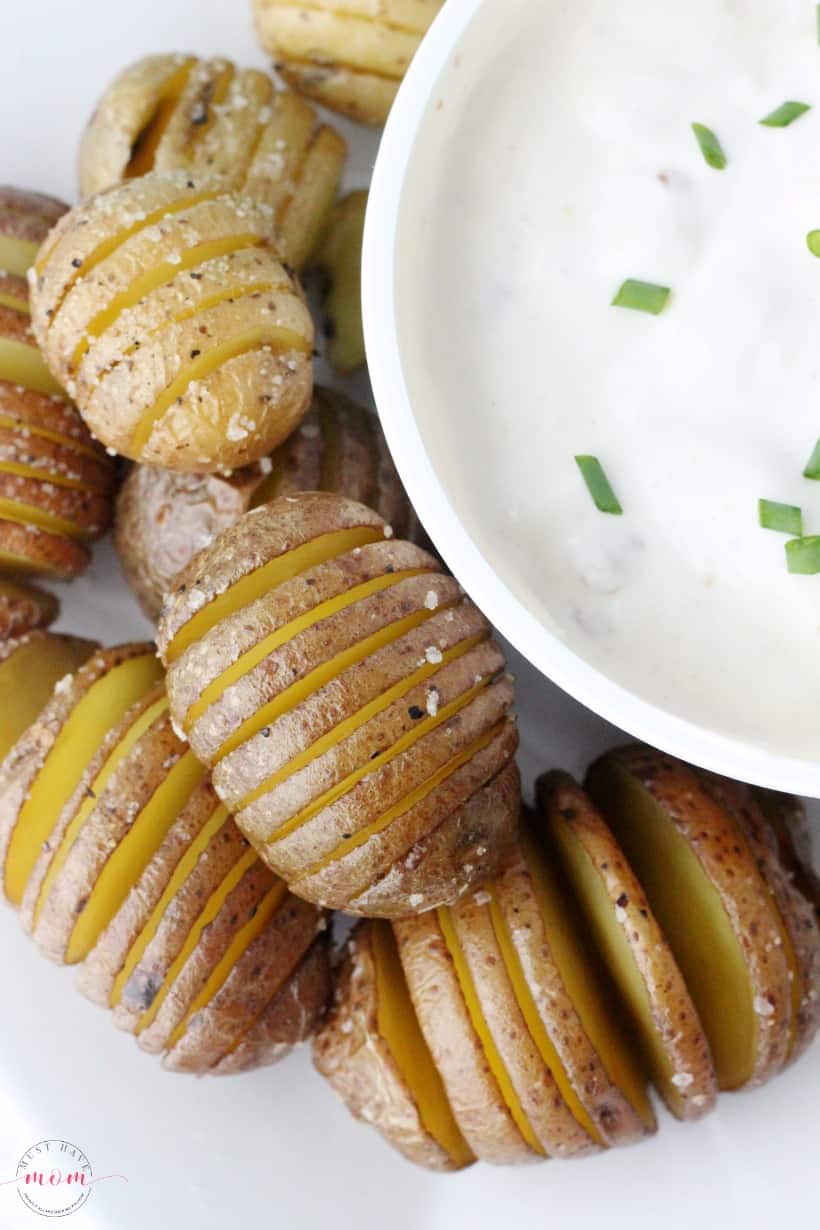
{"x":560,"y":164}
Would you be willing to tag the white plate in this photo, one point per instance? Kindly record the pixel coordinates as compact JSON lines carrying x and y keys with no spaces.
{"x":276,"y":1147}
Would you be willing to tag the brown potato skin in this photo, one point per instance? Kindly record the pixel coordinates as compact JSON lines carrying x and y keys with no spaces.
{"x":164,"y":518}
{"x":228,"y":411}
{"x":24,"y":608}
{"x":787,"y":817}
{"x":351,"y":1054}
{"x":418,"y":859}
{"x":28,"y":215}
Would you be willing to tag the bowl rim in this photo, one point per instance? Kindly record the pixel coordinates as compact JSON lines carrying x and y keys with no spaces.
{"x":642,"y":719}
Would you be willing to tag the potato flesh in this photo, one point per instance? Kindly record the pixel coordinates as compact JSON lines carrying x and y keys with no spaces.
{"x":8,"y":423}
{"x":145,"y":146}
{"x":399,"y":1027}
{"x":27,"y":678}
{"x":239,"y":944}
{"x":118,"y":754}
{"x":256,"y":584}
{"x":133,"y":854}
{"x":310,"y":205}
{"x":17,"y":255}
{"x":103,"y":706}
{"x":23,"y":365}
{"x":581,"y":972}
{"x":183,"y":869}
{"x":494,"y":1060}
{"x":341,"y":258}
{"x":15,"y":302}
{"x":690,"y":912}
{"x":30,"y":514}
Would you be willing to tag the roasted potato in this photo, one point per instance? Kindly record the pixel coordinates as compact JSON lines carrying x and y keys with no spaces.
{"x":120,"y":856}
{"x":164,"y":518}
{"x":181,"y":113}
{"x":24,"y":608}
{"x":339,"y":259}
{"x":349,"y":55}
{"x":787,"y":817}
{"x":164,"y":309}
{"x":351,"y":702}
{"x":29,"y":669}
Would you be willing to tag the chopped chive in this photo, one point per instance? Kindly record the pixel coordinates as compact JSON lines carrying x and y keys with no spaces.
{"x":784,"y":518}
{"x":785,"y":115}
{"x":710,"y":147}
{"x":598,"y":485}
{"x":803,"y":556}
{"x":812,"y":469}
{"x":642,"y":297}
{"x":813,"y":241}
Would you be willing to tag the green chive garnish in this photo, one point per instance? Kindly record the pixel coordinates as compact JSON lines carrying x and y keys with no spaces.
{"x":710,"y":147}
{"x":812,"y":469}
{"x":785,"y":114}
{"x":598,"y":485}
{"x":803,"y":556}
{"x":784,"y":518}
{"x":813,"y":241}
{"x":642,"y":297}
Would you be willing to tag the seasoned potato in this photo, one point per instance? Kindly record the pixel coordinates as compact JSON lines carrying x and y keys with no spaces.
{"x":29,"y":668}
{"x":180,"y":113}
{"x":121,"y":856}
{"x":25,"y":220}
{"x":164,"y":309}
{"x":686,"y":843}
{"x":789,"y":822}
{"x":164,"y":518}
{"x":340,"y":262}
{"x":24,"y":608}
{"x":349,"y":55}
{"x":351,"y":702}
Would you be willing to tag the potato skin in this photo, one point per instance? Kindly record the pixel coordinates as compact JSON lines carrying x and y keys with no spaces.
{"x":28,"y":215}
{"x":421,"y":830}
{"x":163,"y":518}
{"x":352,"y":1055}
{"x":263,"y":143}
{"x":168,"y":374}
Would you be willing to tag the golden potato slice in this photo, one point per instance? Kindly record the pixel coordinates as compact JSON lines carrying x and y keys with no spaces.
{"x":717,"y":914}
{"x":176,"y":112}
{"x":665,"y":1023}
{"x":309,"y":655}
{"x":350,"y":57}
{"x":24,"y":608}
{"x":164,"y":518}
{"x":373,"y":1052}
{"x":177,"y":352}
{"x":29,"y":669}
{"x":340,"y":260}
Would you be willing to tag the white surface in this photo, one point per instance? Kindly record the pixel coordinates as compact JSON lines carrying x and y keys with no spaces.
{"x":516,"y":188}
{"x":275,"y":1147}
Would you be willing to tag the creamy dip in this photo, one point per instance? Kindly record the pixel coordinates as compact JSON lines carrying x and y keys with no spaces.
{"x":557,"y":161}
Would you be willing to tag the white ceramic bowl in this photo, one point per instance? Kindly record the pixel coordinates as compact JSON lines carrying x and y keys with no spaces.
{"x":423,"y":87}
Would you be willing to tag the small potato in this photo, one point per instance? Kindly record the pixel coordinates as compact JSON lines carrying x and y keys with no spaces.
{"x":351,"y":702}
{"x":181,"y":113}
{"x":164,"y":518}
{"x":340,"y":261}
{"x":349,"y":55}
{"x":165,"y":310}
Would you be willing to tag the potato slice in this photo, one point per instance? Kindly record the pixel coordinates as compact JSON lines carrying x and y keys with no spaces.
{"x":340,"y":262}
{"x":704,"y":888}
{"x":215,"y":383}
{"x":174,"y":112}
{"x":373,"y":1052}
{"x":25,"y":220}
{"x":29,"y":669}
{"x":350,"y":57}
{"x":164,"y":518}
{"x":664,"y":1019}
{"x":24,"y":608}
{"x":294,"y":648}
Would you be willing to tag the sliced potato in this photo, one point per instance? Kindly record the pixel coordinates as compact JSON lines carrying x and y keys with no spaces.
{"x":164,"y":518}
{"x":787,"y":817}
{"x":29,"y":670}
{"x":183,"y":339}
{"x":316,"y":665}
{"x":703,"y":886}
{"x":350,"y":57}
{"x":177,"y":112}
{"x":373,"y":1052}
{"x":24,"y":608}
{"x":25,"y":220}
{"x":340,"y":261}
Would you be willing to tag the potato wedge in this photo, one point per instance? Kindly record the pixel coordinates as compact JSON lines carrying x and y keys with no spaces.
{"x":30,"y":667}
{"x":703,"y":886}
{"x":340,"y":261}
{"x":180,"y":113}
{"x":665,"y":1023}
{"x":183,"y":339}
{"x":163,"y":519}
{"x":315,"y":664}
{"x":373,"y":1052}
{"x":350,"y":57}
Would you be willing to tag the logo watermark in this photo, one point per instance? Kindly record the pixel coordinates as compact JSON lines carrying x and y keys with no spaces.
{"x":54,"y":1178}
